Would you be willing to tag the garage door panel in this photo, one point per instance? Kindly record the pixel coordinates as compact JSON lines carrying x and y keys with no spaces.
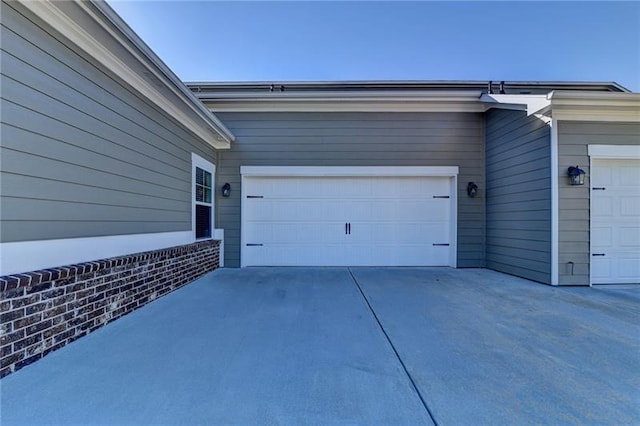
{"x":603,"y":207}
{"x":437,"y":210}
{"x":630,"y":206}
{"x":626,"y":174}
{"x":295,"y":233}
{"x":397,"y":255}
{"x":601,"y":269}
{"x":434,"y":210}
{"x":294,"y":254}
{"x":629,"y":237}
{"x":412,"y":255}
{"x":629,"y":266}
{"x":304,"y":254}
{"x":615,"y":221}
{"x":405,"y":232}
{"x":257,"y":233}
{"x":349,"y":189}
{"x":307,"y":233}
{"x":603,"y":235}
{"x":293,"y":210}
{"x":302,"y":221}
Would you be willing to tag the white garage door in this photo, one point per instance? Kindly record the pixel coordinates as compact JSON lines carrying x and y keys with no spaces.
{"x":348,"y":221}
{"x":615,"y":221}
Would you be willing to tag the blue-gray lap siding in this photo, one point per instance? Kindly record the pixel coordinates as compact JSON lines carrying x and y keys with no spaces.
{"x":574,"y":222}
{"x":518,"y":199}
{"x":82,"y":153}
{"x":357,"y":139}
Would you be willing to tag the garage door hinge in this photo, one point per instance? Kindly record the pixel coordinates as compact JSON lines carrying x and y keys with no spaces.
{"x":254,"y":245}
{"x":598,"y":254}
{"x":440,"y":196}
{"x":600,"y":188}
{"x":441,"y":244}
{"x":255,"y":196}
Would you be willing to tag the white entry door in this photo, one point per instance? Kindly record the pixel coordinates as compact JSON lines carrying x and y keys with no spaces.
{"x":348,"y":221}
{"x":615,"y":221}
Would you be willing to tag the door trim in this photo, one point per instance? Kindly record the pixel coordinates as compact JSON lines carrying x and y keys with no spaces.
{"x":614,"y":152}
{"x":301,"y":171}
{"x":363,"y":171}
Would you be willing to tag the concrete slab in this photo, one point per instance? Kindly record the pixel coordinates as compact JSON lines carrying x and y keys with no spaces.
{"x":488,"y":348}
{"x":251,"y":346}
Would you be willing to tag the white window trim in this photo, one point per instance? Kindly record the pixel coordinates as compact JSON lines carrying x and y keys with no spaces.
{"x":197,"y":161}
{"x":346,"y":171}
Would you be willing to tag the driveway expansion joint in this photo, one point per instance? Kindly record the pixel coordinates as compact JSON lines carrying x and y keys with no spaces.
{"x":395,"y":351}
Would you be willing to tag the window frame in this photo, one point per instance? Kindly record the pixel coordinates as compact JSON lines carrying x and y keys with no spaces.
{"x":198,"y":162}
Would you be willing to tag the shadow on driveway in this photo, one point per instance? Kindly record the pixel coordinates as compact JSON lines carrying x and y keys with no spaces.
{"x":302,"y":346}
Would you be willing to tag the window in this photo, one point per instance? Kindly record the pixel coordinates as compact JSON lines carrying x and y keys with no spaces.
{"x":202,"y":197}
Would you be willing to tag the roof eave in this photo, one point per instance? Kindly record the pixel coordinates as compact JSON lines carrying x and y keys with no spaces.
{"x":169,"y":78}
{"x":165,"y":90}
{"x":532,"y":104}
{"x":594,"y":106}
{"x":247,"y":86}
{"x":371,"y":101}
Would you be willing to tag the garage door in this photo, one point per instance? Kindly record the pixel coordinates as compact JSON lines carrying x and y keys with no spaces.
{"x":348,"y":221}
{"x":615,"y":221}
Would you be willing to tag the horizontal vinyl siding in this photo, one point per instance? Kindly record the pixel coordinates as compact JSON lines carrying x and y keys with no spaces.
{"x":357,"y":139}
{"x":82,"y":154}
{"x":518,"y":195}
{"x":574,"y":224}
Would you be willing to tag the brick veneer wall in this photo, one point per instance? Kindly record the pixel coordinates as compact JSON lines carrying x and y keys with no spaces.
{"x":42,"y":311}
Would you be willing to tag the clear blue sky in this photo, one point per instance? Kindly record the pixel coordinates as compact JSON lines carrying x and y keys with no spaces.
{"x":372,"y":40}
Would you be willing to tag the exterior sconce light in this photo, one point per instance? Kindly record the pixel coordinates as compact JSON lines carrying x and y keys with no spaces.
{"x":226,"y":189}
{"x":576,"y":175}
{"x":472,"y":189}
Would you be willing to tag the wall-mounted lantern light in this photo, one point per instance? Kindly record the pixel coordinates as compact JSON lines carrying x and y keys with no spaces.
{"x":226,"y":189}
{"x":472,"y":189}
{"x":576,"y":175}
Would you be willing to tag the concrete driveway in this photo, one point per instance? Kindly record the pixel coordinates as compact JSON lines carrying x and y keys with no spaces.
{"x":348,"y":346}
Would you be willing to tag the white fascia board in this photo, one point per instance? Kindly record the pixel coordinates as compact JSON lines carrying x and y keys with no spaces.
{"x":158,"y":68}
{"x":595,"y":114}
{"x":581,"y":96}
{"x":312,"y":171}
{"x":595,"y":106}
{"x":26,"y":256}
{"x":208,"y":128}
{"x":404,"y":101}
{"x":384,"y":105}
{"x":619,"y":152}
{"x":377,"y":95}
{"x":530,"y":103}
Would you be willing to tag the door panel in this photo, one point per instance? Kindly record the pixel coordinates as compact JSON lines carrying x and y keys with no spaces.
{"x":615,"y":221}
{"x":347,"y":221}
